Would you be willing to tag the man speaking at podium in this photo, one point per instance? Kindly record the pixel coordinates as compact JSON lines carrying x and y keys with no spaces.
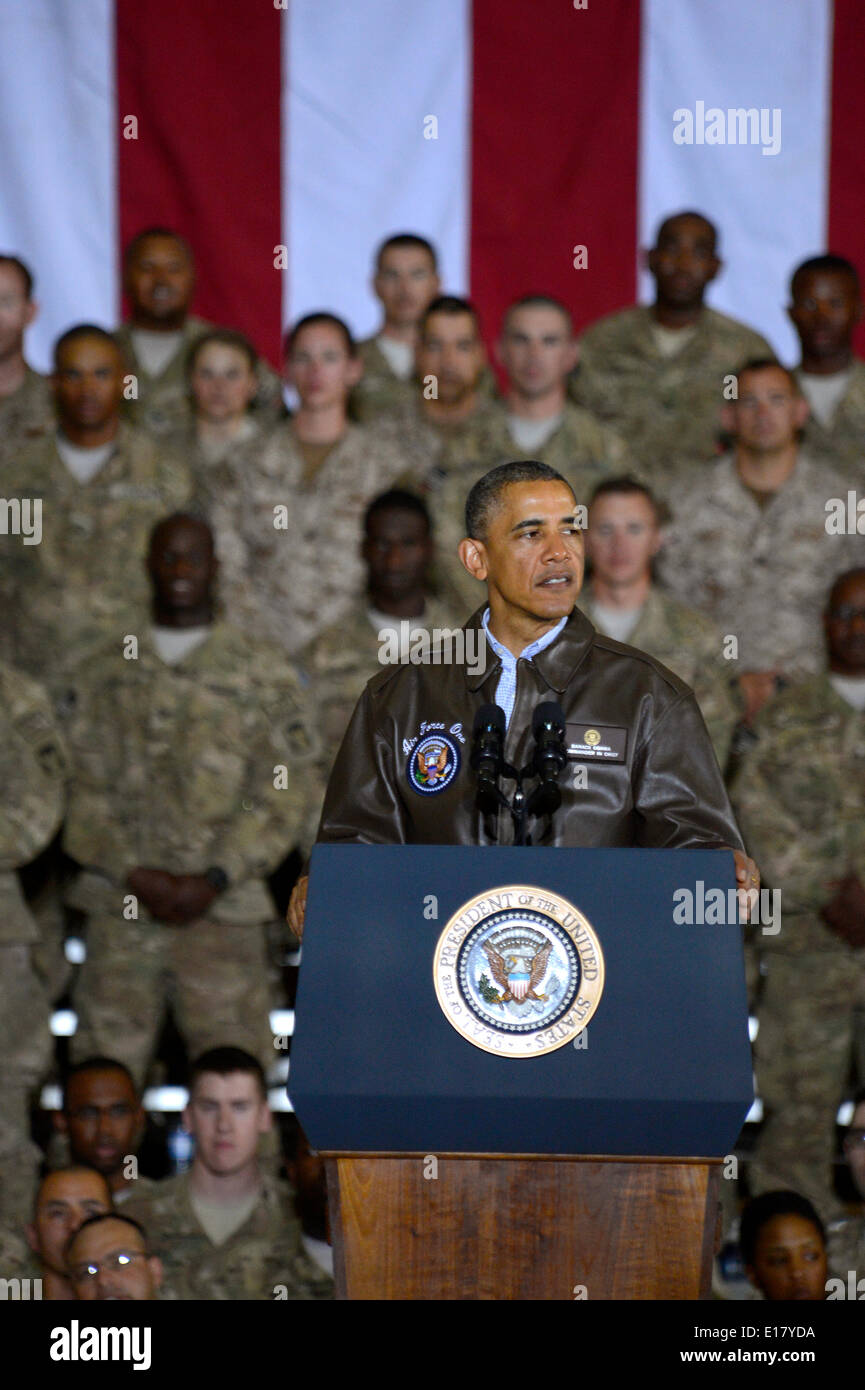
{"x":557,"y":736}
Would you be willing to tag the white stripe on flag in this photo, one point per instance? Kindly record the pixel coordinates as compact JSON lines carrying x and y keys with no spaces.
{"x":57,"y":159}
{"x":770,"y":208}
{"x":358,"y":85}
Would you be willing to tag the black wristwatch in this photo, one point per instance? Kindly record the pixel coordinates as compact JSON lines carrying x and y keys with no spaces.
{"x":217,"y":878}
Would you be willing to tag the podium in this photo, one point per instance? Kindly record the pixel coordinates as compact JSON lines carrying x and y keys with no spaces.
{"x":462,"y":1169}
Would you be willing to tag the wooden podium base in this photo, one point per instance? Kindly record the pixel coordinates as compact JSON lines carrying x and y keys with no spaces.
{"x":486,"y":1226}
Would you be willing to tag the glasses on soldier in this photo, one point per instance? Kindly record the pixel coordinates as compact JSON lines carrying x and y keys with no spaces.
{"x":117,"y":1259}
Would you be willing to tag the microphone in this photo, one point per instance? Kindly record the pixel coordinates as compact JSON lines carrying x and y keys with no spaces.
{"x":487,"y":756}
{"x":548,"y":728}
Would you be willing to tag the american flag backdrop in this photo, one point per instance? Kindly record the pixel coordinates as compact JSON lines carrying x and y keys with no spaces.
{"x":285,"y":138}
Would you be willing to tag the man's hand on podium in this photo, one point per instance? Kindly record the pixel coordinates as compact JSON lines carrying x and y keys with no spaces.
{"x":297,"y":906}
{"x":748,"y":880}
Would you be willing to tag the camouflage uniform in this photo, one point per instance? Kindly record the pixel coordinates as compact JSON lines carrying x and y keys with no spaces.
{"x":845,"y":1242}
{"x":800,"y":799}
{"x":17,"y":1260}
{"x":289,"y":545}
{"x":425,"y":444}
{"x":163,"y":403}
{"x":380,"y":392}
{"x":33,"y":781}
{"x":582,"y":449}
{"x":264,"y":1259}
{"x":760,"y":573}
{"x":842,"y":443}
{"x":27,"y":414}
{"x":86,"y":577}
{"x":691,"y":646}
{"x":176,"y":769}
{"x":342,"y":660}
{"x":667,"y":408}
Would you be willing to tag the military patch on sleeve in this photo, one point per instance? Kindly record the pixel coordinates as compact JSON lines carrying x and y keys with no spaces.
{"x":433,"y":763}
{"x":601,"y":743}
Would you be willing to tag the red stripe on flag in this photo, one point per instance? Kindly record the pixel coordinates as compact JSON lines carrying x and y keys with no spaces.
{"x":554,"y":154}
{"x":203,"y":82}
{"x":847,"y":153}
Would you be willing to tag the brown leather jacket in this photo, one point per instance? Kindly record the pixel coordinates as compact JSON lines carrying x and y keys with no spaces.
{"x":402,"y":775}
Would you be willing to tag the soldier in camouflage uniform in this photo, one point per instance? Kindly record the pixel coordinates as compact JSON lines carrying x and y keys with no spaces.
{"x":825,"y":309}
{"x":657,"y":372}
{"x":448,"y":398}
{"x":225,"y":1230}
{"x":287,"y":531}
{"x":623,"y":536}
{"x":223,"y":436}
{"x":159,"y":280}
{"x":536,"y":421}
{"x":406,"y":279}
{"x":749,"y":545}
{"x":26,"y":402}
{"x":800,"y":800}
{"x":100,"y":486}
{"x":194,"y":764}
{"x":397,"y":549}
{"x":33,"y":782}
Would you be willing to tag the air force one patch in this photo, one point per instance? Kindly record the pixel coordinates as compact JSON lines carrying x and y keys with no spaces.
{"x":433,"y":763}
{"x":518,"y":971}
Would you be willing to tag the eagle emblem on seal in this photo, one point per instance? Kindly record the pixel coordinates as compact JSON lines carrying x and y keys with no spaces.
{"x":518,"y":976}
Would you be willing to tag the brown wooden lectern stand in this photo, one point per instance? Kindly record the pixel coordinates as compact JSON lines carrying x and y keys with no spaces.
{"x":529,"y":1226}
{"x":459,"y":1169}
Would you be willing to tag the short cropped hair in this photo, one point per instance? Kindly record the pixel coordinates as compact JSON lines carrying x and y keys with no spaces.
{"x":406,"y":239}
{"x":827,"y":264}
{"x":320,"y":316}
{"x":397,"y":499}
{"x":223,"y":337}
{"x":664,"y":226}
{"x":167,"y":233}
{"x":99,"y":1217}
{"x":23,"y":270}
{"x":95,"y":1064}
{"x":760,"y":1210}
{"x":484,"y":499}
{"x":79,"y":331}
{"x":225,"y":1060}
{"x":764,"y":364}
{"x":539,"y":301}
{"x":449,"y":304}
{"x":626,"y":486}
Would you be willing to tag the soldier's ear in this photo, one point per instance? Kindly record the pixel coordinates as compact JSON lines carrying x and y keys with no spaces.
{"x":473,"y":556}
{"x":60,"y":1122}
{"x":801,"y":411}
{"x":354,"y":371}
{"x":156,"y":1270}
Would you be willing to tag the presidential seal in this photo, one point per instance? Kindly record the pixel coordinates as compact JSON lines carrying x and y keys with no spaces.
{"x":433,"y":763}
{"x":518,"y":971}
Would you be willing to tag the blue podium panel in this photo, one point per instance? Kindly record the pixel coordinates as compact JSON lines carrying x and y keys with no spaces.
{"x":663,"y":1067}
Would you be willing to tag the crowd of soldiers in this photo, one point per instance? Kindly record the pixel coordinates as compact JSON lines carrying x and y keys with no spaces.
{"x":199,"y":580}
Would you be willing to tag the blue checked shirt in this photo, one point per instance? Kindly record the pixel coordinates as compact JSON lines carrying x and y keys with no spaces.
{"x":506,"y":690}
